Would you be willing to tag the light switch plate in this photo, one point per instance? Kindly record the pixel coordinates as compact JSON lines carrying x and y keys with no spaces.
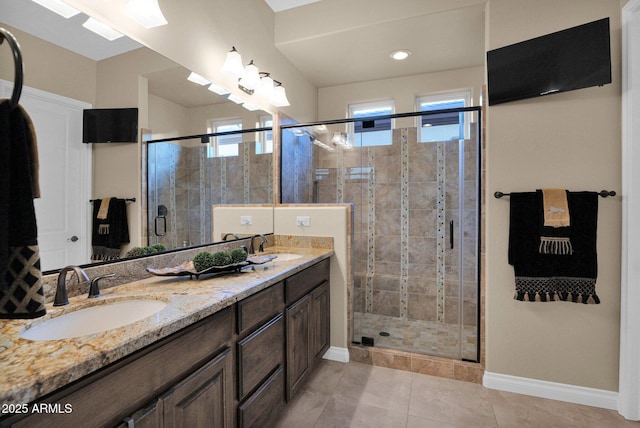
{"x":246,"y":220}
{"x":303,"y":221}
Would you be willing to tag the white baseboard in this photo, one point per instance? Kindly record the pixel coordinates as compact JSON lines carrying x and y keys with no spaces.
{"x":555,"y":391}
{"x":337,"y":354}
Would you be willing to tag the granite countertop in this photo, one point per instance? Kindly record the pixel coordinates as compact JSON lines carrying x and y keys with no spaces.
{"x":32,"y":369}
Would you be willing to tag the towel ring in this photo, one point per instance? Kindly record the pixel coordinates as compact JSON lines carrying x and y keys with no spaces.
{"x":17,"y":59}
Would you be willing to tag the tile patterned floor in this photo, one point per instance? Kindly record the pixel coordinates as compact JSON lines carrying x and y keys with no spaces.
{"x":359,"y":395}
{"x":417,"y":336}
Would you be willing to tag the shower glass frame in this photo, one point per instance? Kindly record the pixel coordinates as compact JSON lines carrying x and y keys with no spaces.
{"x":344,"y":125}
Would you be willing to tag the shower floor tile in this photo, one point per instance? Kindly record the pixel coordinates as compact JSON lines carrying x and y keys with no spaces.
{"x":422,"y":337}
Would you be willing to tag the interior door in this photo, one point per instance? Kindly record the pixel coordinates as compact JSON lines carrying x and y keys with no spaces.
{"x":62,"y":211}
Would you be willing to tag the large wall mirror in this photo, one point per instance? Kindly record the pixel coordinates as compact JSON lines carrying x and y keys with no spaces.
{"x":183,"y":179}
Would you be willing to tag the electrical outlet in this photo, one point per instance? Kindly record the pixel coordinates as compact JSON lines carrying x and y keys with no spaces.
{"x":303,"y":221}
{"x":246,"y":220}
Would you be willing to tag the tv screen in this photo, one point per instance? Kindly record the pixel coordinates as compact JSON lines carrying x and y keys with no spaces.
{"x":110,"y":125}
{"x":575,"y":58}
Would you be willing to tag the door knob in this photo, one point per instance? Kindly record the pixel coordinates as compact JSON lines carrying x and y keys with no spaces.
{"x":74,"y":238}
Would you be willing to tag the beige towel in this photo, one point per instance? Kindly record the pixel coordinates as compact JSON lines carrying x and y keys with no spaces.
{"x":556,"y":208}
{"x":104,"y":209}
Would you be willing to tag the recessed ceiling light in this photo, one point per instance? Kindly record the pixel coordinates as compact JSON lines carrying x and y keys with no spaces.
{"x":400,"y":54}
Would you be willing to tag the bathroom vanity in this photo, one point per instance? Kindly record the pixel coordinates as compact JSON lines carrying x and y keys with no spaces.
{"x":226,"y":351}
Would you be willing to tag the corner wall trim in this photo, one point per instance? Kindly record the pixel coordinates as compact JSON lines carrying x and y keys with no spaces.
{"x":552,"y":390}
{"x":337,"y":354}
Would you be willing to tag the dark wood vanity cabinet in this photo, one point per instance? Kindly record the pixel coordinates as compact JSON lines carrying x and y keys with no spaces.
{"x":195,"y":361}
{"x":307,"y":318}
{"x":237,"y":367}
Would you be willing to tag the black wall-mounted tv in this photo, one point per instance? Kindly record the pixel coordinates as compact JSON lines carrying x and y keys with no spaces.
{"x":575,"y":58}
{"x":110,"y":125}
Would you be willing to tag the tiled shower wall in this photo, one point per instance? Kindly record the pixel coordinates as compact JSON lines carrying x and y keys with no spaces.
{"x":405,"y":195}
{"x":189,"y":183}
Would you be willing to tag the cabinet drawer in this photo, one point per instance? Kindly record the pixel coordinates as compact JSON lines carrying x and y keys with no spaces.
{"x":260,"y":307}
{"x":263,"y":408}
{"x":258,"y":354}
{"x":303,"y":282}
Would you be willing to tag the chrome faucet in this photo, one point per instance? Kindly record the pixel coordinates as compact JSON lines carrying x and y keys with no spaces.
{"x":61,"y":298}
{"x":261,"y":246}
{"x":224,"y":238}
{"x":94,"y":290}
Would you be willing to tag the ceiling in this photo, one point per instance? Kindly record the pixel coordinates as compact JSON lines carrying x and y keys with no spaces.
{"x":344,"y":47}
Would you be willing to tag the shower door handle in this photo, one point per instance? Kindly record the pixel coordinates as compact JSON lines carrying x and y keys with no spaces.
{"x":451,"y":233}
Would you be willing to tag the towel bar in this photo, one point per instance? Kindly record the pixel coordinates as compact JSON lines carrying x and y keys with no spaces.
{"x":602,"y":193}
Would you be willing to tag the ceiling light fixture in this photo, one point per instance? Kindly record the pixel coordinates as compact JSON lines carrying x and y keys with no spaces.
{"x":145,"y":12}
{"x":59,"y":7}
{"x":400,"y":54}
{"x":102,"y":29}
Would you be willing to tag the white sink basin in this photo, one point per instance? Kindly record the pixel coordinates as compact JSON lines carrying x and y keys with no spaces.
{"x":285,"y":257}
{"x":94,"y":319}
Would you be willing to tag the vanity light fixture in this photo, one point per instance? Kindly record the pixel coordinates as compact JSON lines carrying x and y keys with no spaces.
{"x":59,"y":7}
{"x":341,"y":139}
{"x":102,"y":29}
{"x":233,"y":63}
{"x":400,"y":54}
{"x":279,"y":97}
{"x":250,"y":79}
{"x":253,"y":81}
{"x":145,"y":12}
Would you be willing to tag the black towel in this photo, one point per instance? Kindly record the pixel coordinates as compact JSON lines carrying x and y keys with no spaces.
{"x":21,"y":294}
{"x":547,"y":277}
{"x":110,"y":233}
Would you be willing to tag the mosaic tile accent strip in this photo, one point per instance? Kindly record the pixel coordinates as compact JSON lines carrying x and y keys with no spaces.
{"x":341,"y":177}
{"x":441,"y":230}
{"x":404,"y":222}
{"x":223,"y":180}
{"x":371,"y":231}
{"x":172,"y":197}
{"x":246,"y":184}
{"x":202,"y":159}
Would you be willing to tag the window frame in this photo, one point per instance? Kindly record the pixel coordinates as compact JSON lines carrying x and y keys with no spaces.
{"x":371,"y":105}
{"x":213,"y":125}
{"x":440,"y":97}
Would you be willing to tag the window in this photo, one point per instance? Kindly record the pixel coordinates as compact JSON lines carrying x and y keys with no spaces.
{"x":443,"y":126}
{"x":224,"y":145}
{"x":371,"y":132}
{"x":264,"y":141}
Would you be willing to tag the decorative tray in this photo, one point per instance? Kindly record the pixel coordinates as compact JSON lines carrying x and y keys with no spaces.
{"x":187,"y":268}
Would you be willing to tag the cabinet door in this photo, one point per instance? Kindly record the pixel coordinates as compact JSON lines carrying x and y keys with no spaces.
{"x":319,"y":322}
{"x":205,"y":398}
{"x":299,"y":358}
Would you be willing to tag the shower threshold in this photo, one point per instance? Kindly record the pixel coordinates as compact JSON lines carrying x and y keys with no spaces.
{"x":417,"y":336}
